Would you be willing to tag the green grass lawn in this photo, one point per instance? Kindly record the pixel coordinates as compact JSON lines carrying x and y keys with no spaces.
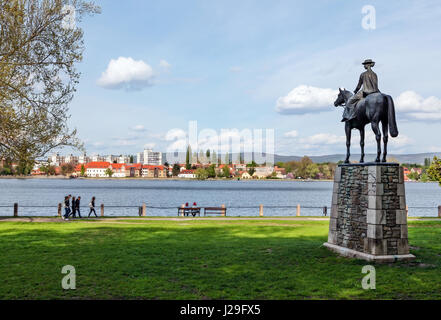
{"x":204,"y":259}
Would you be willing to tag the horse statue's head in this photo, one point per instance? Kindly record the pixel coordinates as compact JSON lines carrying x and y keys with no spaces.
{"x":342,"y":98}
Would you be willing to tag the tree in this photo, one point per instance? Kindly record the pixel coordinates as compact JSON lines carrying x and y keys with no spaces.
{"x":176,"y":170}
{"x":108,"y":172}
{"x":188,"y":158}
{"x":201,"y":174}
{"x":251,"y":171}
{"x":38,"y":53}
{"x":67,"y":169}
{"x":214,"y":157}
{"x":226,"y":171}
{"x":211,"y":171}
{"x":207,"y":153}
{"x":311,"y":171}
{"x":227,"y":158}
{"x":83,"y":170}
{"x":132,"y":159}
{"x":434,"y":171}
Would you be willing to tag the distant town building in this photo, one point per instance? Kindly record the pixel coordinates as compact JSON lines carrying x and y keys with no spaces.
{"x":97,"y":169}
{"x":71,"y":159}
{"x":56,"y":160}
{"x":149,"y":157}
{"x":188,"y":174}
{"x":83,"y":159}
{"x":151,"y":171}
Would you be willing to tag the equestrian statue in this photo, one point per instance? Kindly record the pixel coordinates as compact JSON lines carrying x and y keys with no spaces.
{"x":368,"y":105}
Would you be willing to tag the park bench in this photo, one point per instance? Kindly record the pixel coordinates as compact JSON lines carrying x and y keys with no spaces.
{"x":187,"y":211}
{"x":215,"y":210}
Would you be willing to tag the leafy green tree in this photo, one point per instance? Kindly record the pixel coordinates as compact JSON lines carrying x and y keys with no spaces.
{"x":67,"y":169}
{"x":226,"y":171}
{"x":83,"y":170}
{"x":251,"y":171}
{"x":434,"y":171}
{"x":38,"y":77}
{"x":207,"y":153}
{"x":176,"y":170}
{"x":424,"y":177}
{"x":132,"y":159}
{"x":211,"y":171}
{"x":108,"y":172}
{"x":201,"y":174}
{"x":413,"y":176}
{"x":312,"y":171}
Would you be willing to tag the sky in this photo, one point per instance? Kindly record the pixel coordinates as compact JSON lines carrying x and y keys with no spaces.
{"x":151,"y":68}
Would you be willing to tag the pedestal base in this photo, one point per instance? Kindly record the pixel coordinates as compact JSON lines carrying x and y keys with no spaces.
{"x":368,"y":215}
{"x":346,"y":252}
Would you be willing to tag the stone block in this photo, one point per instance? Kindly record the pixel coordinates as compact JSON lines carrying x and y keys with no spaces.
{"x":334,"y":211}
{"x":375,"y":202}
{"x":377,"y":246}
{"x":404,"y":234}
{"x":403,"y":246}
{"x":334,"y":198}
{"x":335,"y":187}
{"x":402,"y":202}
{"x":337,"y":175}
{"x":401,"y":217}
{"x":375,"y":189}
{"x":400,"y":189}
{"x":401,"y":175}
{"x":375,"y":231}
{"x":332,"y":237}
{"x":332,"y":224}
{"x":376,"y":216}
{"x":374,"y":174}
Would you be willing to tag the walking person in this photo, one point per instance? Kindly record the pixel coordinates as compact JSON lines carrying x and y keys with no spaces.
{"x":66,"y":208}
{"x":77,"y":206}
{"x":73,"y":207}
{"x":92,"y":207}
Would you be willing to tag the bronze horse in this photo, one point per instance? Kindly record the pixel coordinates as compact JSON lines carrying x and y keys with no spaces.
{"x":375,"y":108}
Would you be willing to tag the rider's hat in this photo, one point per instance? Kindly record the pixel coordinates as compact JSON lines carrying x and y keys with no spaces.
{"x":369,"y":61}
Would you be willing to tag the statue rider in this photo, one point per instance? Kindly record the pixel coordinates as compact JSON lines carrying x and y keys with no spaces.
{"x":369,"y":81}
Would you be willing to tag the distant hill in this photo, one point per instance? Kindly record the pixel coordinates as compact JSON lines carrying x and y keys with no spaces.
{"x":402,"y":158}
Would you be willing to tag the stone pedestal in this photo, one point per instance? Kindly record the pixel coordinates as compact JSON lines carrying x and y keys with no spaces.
{"x":368,"y":214}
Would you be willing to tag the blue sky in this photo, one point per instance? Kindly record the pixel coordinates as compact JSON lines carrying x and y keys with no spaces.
{"x":228,"y":64}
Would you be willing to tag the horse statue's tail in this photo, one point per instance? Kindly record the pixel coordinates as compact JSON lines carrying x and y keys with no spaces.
{"x":393,"y":129}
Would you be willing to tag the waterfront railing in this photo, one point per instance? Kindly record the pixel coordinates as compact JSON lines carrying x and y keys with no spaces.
{"x":144,"y":209}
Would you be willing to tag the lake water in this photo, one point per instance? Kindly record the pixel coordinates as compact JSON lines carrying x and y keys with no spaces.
{"x":242,"y":198}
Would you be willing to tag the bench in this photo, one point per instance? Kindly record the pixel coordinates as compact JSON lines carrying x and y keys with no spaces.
{"x":215,"y":210}
{"x":187,"y":211}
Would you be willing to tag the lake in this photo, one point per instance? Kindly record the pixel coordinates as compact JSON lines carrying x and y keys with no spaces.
{"x":242,"y":198}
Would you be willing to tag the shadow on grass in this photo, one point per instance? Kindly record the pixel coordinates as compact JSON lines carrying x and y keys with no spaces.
{"x":204,"y":261}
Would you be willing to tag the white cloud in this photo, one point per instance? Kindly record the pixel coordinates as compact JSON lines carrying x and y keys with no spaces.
{"x":164,"y":64}
{"x":138,"y":128}
{"x":306,"y":99}
{"x":291,"y":134}
{"x":415,"y":107}
{"x":126,"y":73}
{"x":323,"y":138}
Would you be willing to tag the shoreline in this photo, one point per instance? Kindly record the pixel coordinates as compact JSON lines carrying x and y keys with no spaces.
{"x":171,"y":179}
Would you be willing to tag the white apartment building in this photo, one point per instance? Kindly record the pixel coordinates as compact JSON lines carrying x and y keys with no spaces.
{"x":111,"y":158}
{"x":97,"y":158}
{"x":71,"y":159}
{"x":149,"y":157}
{"x":56,"y":159}
{"x":123,"y":159}
{"x":83,"y":159}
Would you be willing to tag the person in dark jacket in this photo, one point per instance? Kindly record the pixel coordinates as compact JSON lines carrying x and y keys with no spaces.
{"x":73,"y":207}
{"x":66,"y":207}
{"x":92,"y":207}
{"x":77,"y":206}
